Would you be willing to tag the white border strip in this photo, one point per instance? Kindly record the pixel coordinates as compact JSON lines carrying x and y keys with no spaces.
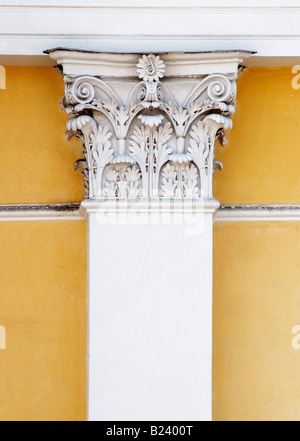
{"x":258,"y":214}
{"x":225,"y":214}
{"x":143,"y":4}
{"x":12,"y":216}
{"x":143,"y":206}
{"x":136,"y":26}
{"x":38,"y":213}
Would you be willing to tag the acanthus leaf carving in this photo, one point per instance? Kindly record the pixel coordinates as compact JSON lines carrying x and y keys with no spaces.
{"x":180,"y":181}
{"x":122,"y":182}
{"x":147,"y":147}
{"x":200,"y":148}
{"x":97,"y":149}
{"x":139,"y":150}
{"x":161,"y":153}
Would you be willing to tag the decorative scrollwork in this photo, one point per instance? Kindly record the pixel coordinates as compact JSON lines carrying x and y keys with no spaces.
{"x":219,"y":90}
{"x":147,"y":145}
{"x":84,"y":92}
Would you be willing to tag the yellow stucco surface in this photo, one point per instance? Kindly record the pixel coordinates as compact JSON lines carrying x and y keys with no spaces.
{"x":261,"y":159}
{"x":256,"y":305}
{"x":43,"y":309}
{"x":37,"y":160}
{"x":43,"y":264}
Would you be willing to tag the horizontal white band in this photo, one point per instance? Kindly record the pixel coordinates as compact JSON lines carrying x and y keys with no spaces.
{"x":32,"y":213}
{"x":140,"y":4}
{"x":29,"y":27}
{"x":63,"y":212}
{"x":145,"y":206}
{"x":258,"y":214}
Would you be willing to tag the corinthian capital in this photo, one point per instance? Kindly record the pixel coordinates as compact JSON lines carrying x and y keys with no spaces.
{"x":148,"y":124}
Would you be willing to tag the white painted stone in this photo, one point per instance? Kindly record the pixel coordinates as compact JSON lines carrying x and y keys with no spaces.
{"x":267,"y":26}
{"x":150,"y":316}
{"x":148,"y":126}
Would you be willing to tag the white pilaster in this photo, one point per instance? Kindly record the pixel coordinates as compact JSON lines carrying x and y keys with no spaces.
{"x":148,"y":126}
{"x":150,"y":313}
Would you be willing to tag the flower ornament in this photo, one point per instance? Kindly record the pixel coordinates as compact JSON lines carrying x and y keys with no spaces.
{"x":151,"y":68}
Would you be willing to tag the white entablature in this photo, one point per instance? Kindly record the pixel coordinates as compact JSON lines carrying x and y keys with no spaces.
{"x":269,"y":26}
{"x":148,"y":123}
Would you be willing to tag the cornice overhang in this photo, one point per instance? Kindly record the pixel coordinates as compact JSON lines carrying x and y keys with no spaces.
{"x":148,"y":123}
{"x":29,"y":26}
{"x":178,"y":64}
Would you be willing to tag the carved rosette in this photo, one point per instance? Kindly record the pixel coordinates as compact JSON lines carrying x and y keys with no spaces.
{"x":153,"y":144}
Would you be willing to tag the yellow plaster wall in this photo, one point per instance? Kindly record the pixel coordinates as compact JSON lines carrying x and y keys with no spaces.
{"x":256,"y":305}
{"x":37,"y":160}
{"x":43,"y":309}
{"x":256,"y":265}
{"x":43,"y":264}
{"x":261,"y":159}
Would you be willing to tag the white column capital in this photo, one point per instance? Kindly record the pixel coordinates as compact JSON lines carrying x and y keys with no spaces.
{"x":148,"y":123}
